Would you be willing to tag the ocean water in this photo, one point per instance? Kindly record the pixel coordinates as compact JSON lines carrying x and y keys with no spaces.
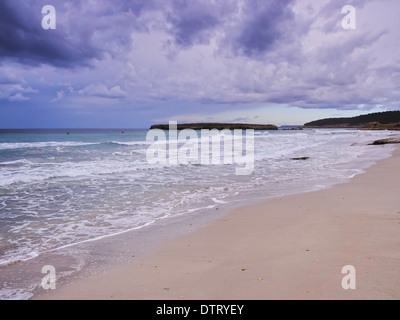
{"x":59,"y":190}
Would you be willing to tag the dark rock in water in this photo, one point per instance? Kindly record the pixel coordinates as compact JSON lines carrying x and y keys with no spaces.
{"x":302,"y":158}
{"x":218,"y":126}
{"x":386,"y":141}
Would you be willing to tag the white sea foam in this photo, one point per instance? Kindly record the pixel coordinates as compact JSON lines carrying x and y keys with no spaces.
{"x":22,"y":145}
{"x":15,"y":162}
{"x":16,"y":257}
{"x":15,"y":294}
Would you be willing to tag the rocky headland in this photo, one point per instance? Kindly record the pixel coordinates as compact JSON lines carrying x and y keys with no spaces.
{"x":218,"y":126}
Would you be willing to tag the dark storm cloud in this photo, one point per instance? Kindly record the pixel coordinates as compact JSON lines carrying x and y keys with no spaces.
{"x":188,"y":30}
{"x":251,"y":28}
{"x":86,"y":30}
{"x":264,"y":24}
{"x":23,"y":39}
{"x":136,"y":6}
{"x":193,"y":21}
{"x":218,"y":53}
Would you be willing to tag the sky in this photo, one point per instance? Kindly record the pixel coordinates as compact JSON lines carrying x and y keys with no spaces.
{"x":133,"y":63}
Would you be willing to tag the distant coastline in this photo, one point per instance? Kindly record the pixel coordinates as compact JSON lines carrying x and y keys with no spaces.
{"x":218,"y":126}
{"x":389,"y":120}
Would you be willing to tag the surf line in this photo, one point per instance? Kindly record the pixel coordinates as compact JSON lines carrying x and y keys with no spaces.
{"x":204,"y":149}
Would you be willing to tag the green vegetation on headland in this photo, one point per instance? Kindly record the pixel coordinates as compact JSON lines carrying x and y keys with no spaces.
{"x":389,"y":120}
{"x":218,"y":126}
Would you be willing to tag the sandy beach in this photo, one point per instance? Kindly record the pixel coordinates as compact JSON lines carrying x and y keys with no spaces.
{"x":293,"y":247}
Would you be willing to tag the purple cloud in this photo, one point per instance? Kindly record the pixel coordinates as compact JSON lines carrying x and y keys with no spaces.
{"x":190,"y":22}
{"x":180,"y":57}
{"x":22,"y":38}
{"x":263,"y":25}
{"x":102,"y":91}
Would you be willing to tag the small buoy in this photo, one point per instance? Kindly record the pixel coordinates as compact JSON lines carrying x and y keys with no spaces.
{"x":68,"y":133}
{"x":123,"y":132}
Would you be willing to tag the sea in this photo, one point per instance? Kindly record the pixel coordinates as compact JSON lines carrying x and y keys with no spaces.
{"x":64,"y":191}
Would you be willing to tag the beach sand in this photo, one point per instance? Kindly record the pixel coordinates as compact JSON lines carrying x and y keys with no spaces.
{"x":293,"y":247}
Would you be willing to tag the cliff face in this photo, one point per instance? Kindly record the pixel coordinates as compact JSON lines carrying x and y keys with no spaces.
{"x":218,"y":126}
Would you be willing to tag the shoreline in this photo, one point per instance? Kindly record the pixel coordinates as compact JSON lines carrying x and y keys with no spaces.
{"x":299,"y":244}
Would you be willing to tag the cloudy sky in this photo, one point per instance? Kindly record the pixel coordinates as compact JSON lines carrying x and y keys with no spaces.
{"x":132,"y":63}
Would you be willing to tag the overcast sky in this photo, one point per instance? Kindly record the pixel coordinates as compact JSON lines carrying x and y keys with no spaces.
{"x":132,"y":63}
